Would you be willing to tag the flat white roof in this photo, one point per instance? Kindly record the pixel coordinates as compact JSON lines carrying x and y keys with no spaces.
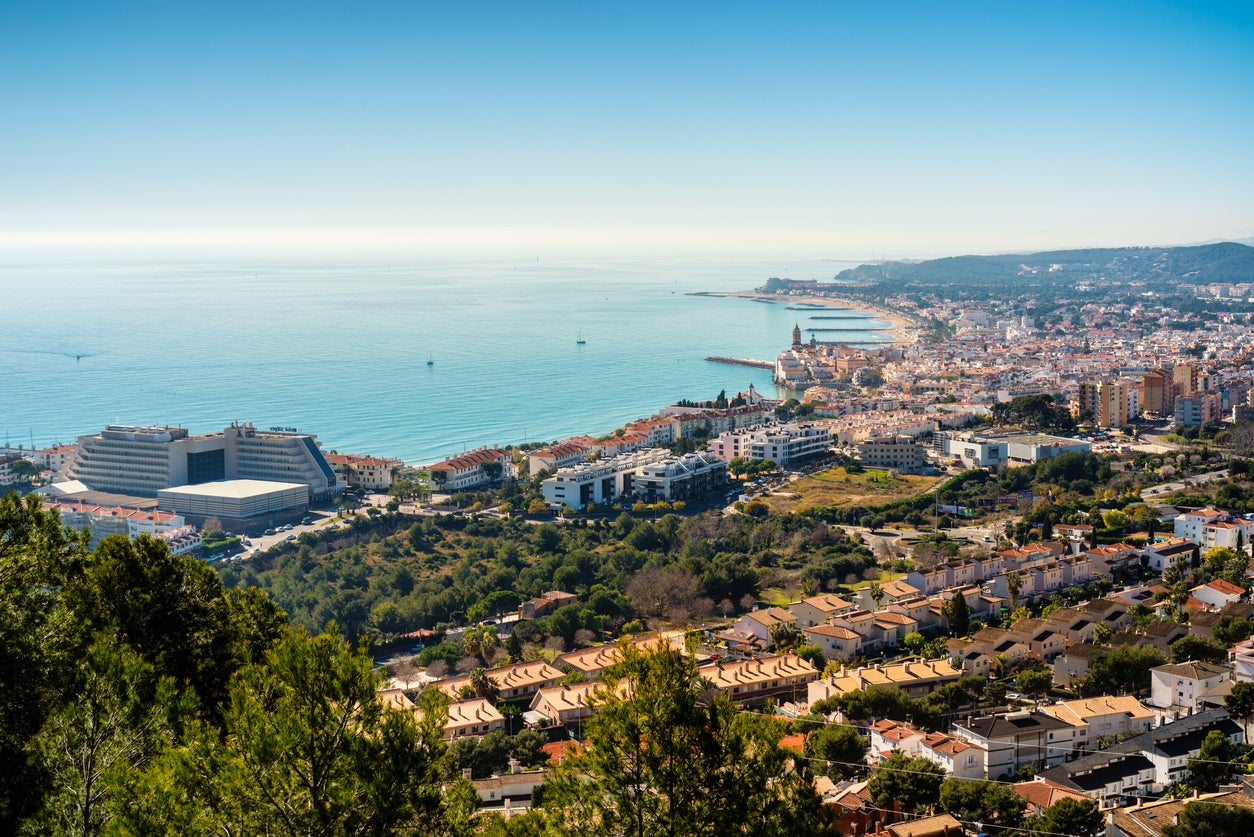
{"x":232,"y":489}
{"x":65,"y":488}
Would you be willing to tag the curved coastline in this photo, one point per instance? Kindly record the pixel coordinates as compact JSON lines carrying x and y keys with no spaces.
{"x":904,"y":330}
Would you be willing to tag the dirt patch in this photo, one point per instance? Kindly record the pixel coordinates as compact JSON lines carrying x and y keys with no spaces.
{"x":838,"y":487}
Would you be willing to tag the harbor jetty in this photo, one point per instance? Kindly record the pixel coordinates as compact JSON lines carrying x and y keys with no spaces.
{"x":743,"y":361}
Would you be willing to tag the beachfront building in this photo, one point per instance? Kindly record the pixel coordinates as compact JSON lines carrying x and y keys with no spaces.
{"x":782,"y":445}
{"x":560,"y":455}
{"x":54,"y":458}
{"x":686,"y":419}
{"x":7,"y":461}
{"x":142,"y":461}
{"x":470,"y":469}
{"x":369,"y":472}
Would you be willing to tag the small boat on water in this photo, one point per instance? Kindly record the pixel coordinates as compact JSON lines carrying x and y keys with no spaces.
{"x":580,"y":341}
{"x":430,"y":361}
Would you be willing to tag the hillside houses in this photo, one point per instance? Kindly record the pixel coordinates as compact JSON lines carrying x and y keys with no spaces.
{"x":914,"y":678}
{"x":753,"y":682}
{"x":1011,"y":741}
{"x":1096,"y":718}
{"x":817,"y":610}
{"x":1184,"y":687}
{"x":1212,"y":527}
{"x":1146,"y":764}
{"x":515,"y":682}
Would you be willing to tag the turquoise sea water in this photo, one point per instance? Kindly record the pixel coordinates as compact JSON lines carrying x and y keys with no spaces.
{"x":341,"y":351}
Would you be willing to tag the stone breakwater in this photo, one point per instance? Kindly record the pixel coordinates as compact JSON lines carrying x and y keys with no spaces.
{"x":742,"y":361}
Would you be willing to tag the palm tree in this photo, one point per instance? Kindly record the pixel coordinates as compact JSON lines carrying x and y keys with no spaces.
{"x":876,"y":594}
{"x":484,"y":686}
{"x":437,"y":476}
{"x":1014,"y":584}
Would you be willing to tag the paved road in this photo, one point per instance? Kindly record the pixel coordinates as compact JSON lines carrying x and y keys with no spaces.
{"x":1159,"y":491}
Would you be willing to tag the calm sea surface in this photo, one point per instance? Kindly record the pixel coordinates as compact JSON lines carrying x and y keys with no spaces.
{"x":342,"y":351}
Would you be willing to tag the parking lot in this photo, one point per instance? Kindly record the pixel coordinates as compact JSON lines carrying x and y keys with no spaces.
{"x":318,"y":520}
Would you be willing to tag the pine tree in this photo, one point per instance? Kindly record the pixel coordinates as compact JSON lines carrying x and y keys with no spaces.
{"x":661,"y":759}
{"x":959,"y":616}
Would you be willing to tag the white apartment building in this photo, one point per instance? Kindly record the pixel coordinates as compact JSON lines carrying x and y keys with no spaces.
{"x":1211,"y":527}
{"x":369,"y":472}
{"x":679,"y":478}
{"x":650,"y":475}
{"x":598,"y":482}
{"x":1242,"y":657}
{"x":103,"y":521}
{"x":782,"y":445}
{"x":1012,"y":740}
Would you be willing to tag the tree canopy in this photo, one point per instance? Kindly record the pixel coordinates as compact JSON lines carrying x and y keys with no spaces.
{"x":1211,"y":819}
{"x":708,"y":770}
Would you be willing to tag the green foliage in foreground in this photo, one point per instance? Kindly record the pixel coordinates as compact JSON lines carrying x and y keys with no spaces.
{"x":1067,"y":816}
{"x":308,"y":749}
{"x":711,"y":770}
{"x":1211,"y":819}
{"x":140,"y":697}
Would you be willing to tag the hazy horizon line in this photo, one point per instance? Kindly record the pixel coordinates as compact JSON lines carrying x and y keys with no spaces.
{"x":553,"y":243}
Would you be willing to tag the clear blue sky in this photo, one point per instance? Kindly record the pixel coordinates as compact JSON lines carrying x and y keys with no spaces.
{"x":846,"y":130}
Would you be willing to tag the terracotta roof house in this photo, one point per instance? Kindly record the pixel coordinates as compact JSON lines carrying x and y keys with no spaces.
{"x":517,"y":681}
{"x":749,"y":682}
{"x":1042,"y":793}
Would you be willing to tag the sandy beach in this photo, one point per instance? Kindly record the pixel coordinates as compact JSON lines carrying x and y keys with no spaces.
{"x":904,"y":330}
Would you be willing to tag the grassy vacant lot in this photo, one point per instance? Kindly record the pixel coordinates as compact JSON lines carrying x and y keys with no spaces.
{"x":838,"y":487}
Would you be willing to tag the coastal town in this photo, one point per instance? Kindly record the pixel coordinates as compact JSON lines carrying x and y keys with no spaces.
{"x":994,"y":573}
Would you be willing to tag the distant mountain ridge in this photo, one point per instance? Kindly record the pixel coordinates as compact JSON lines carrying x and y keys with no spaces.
{"x":1221,"y":262}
